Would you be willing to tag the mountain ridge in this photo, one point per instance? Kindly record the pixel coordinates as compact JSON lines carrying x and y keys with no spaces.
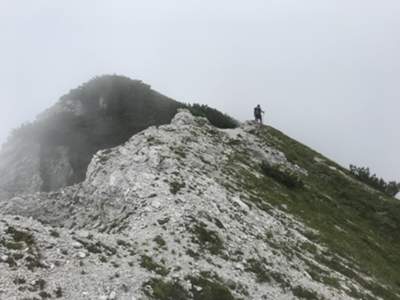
{"x":186,"y":211}
{"x":55,"y":150}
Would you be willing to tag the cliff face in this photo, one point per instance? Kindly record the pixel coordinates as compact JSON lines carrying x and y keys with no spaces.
{"x":55,"y":150}
{"x":190,"y":211}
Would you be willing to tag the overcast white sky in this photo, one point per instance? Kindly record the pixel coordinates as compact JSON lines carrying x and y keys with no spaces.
{"x":326,"y":71}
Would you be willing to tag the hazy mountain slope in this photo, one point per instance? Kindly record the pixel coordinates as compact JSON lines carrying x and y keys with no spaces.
{"x":185,"y":211}
{"x":55,"y":150}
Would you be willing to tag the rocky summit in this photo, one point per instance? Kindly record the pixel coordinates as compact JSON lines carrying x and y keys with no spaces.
{"x":191,"y":211}
{"x":54,"y":151}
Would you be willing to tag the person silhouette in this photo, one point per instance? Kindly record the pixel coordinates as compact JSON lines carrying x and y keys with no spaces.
{"x":258,"y":114}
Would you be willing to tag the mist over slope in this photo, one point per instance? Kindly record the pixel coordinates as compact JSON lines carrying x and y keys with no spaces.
{"x":191,"y":211}
{"x":55,"y":150}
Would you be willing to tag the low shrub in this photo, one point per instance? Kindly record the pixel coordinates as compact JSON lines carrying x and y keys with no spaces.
{"x":363,"y":174}
{"x":216,"y":118}
{"x":166,"y":290}
{"x":282,"y":175}
{"x":210,"y":289}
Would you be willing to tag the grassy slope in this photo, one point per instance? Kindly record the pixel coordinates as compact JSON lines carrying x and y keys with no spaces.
{"x":355,"y":222}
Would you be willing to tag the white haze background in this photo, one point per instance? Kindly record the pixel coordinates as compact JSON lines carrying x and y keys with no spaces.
{"x":326,"y":72}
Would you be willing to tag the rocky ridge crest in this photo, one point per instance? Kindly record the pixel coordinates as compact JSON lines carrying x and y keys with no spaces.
{"x":164,"y":215}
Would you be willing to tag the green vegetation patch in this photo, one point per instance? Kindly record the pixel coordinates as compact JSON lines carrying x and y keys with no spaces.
{"x":96,"y":247}
{"x":210,"y":289}
{"x":165,"y":290}
{"x":214,"y":116}
{"x":207,"y":238}
{"x":176,"y":186}
{"x":180,"y":152}
{"x":303,"y":293}
{"x":355,"y":223}
{"x":263,"y":274}
{"x":21,"y":240}
{"x":258,"y":268}
{"x":58,"y":292}
{"x":159,"y":241}
{"x":54,"y":233}
{"x":284,"y":176}
{"x":149,"y":264}
{"x":21,"y":236}
{"x":14,"y":245}
{"x":364,"y":175}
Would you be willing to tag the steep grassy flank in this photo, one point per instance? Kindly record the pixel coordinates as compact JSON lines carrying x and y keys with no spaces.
{"x":355,"y":222}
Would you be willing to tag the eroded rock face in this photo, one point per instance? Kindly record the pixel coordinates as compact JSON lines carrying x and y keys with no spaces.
{"x":165,"y":215}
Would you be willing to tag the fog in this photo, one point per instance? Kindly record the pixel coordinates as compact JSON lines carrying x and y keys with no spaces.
{"x":326,"y":72}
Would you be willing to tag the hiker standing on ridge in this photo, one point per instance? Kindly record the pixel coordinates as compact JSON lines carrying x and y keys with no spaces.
{"x":258,"y":114}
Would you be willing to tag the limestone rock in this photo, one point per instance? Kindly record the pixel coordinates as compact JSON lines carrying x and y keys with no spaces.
{"x":167,"y":212}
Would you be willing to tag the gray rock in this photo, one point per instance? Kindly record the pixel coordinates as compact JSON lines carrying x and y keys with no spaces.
{"x":110,"y":234}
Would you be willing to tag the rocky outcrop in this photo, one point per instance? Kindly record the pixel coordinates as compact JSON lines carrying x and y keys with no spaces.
{"x":55,"y":150}
{"x":167,"y":216}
